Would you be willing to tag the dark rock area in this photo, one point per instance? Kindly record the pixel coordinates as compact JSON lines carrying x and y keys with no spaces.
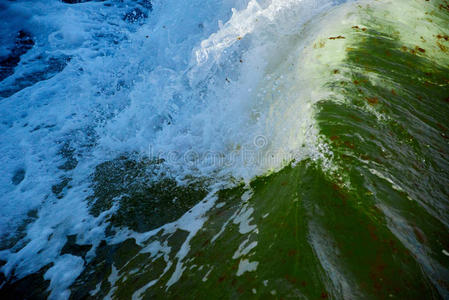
{"x":135,"y":15}
{"x":146,"y":4}
{"x":23,"y":43}
{"x":145,"y":200}
{"x":71,"y":247}
{"x":52,"y":66}
{"x":18,"y":177}
{"x":68,"y":153}
{"x":99,"y":269}
{"x":60,"y":188}
{"x":75,"y":1}
{"x":33,"y":286}
{"x":14,"y":240}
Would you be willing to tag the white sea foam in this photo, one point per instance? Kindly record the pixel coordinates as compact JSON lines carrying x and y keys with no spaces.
{"x":235,"y":108}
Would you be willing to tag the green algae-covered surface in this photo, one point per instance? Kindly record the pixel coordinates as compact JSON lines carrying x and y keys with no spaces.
{"x":367,"y":221}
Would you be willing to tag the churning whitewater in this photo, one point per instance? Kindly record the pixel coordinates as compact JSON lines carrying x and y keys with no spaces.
{"x":199,"y":149}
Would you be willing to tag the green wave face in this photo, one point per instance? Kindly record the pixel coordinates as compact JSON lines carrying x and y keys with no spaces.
{"x":373,"y":225}
{"x":369,"y":220}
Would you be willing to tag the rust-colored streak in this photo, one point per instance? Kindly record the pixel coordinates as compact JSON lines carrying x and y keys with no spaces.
{"x":337,"y":37}
{"x":373,"y":100}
